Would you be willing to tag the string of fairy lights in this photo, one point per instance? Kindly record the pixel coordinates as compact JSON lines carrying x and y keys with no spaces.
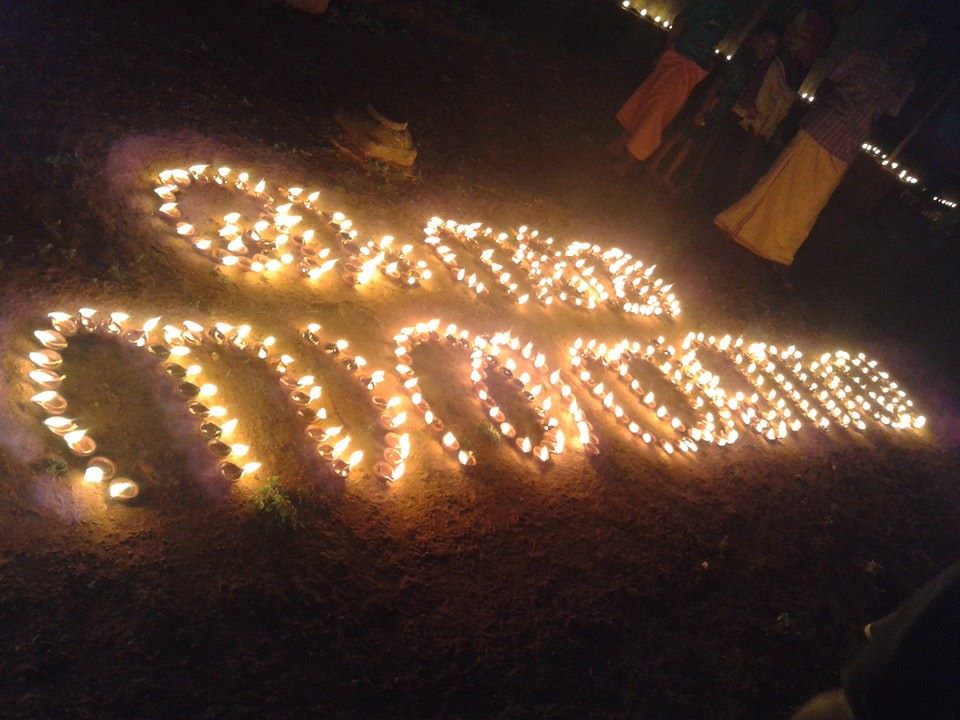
{"x":904,"y":175}
{"x":646,"y":14}
{"x":661,"y":23}
{"x":782,"y":392}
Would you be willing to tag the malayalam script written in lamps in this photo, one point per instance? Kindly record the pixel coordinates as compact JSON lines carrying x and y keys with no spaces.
{"x":835,"y":389}
{"x":523,"y":265}
{"x":788,"y":392}
{"x":522,"y":369}
{"x":391,"y":415}
{"x":171,"y":346}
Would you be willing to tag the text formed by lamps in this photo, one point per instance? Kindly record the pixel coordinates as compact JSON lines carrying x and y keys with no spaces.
{"x":519,"y":365}
{"x":529,"y":267}
{"x":173,"y":346}
{"x":786,"y":393}
{"x":303,"y":392}
{"x":279,"y":238}
{"x":396,"y":446}
{"x":295,"y":234}
{"x":526,"y":371}
{"x":836,"y":389}
{"x":864,"y":387}
{"x":405,"y":342}
{"x":772,"y":410}
{"x":699,"y":387}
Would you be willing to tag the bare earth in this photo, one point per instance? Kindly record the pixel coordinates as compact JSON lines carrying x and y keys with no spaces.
{"x":627,"y":585}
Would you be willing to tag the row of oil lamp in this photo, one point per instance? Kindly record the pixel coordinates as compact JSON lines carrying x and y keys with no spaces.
{"x":945,"y":202}
{"x":880,"y":156}
{"x":644,"y":13}
{"x":524,"y":265}
{"x":783,"y":393}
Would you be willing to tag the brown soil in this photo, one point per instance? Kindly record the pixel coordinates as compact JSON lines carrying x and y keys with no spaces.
{"x":628,"y":585}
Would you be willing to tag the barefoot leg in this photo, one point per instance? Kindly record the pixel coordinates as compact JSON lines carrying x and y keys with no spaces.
{"x":619,"y":146}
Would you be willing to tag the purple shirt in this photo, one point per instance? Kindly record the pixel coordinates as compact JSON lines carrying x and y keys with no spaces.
{"x":865,"y":87}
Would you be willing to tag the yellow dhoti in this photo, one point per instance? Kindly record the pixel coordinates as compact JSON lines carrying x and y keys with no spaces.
{"x":776,"y":216}
{"x":657,"y":101}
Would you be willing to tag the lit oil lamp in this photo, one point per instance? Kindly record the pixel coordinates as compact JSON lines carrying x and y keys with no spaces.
{"x":123,"y":489}
{"x":386,"y":471}
{"x":80,"y":443}
{"x":99,"y":469}
{"x":88,"y":319}
{"x":47,"y":379}
{"x":60,"y":425}
{"x":46,"y":359}
{"x":63,"y":323}
{"x":51,"y":401}
{"x":114,"y":325}
{"x":51,"y":339}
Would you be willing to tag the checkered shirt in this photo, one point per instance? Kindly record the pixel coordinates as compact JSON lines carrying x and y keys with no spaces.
{"x":865,"y":88}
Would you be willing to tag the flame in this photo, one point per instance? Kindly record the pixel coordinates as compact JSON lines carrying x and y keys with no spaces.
{"x":93,"y":474}
{"x":122,"y":489}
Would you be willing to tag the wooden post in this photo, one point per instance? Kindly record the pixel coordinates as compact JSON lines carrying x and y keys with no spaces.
{"x":950,"y":89}
{"x":745,"y":31}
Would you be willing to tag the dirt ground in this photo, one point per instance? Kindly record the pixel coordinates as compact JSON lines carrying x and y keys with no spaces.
{"x":627,"y":585}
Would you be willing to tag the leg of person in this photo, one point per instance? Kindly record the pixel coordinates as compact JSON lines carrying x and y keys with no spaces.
{"x":831,"y":705}
{"x":623,"y":166}
{"x":657,"y":101}
{"x":774,"y":219}
{"x":702,"y":148}
{"x":619,"y":146}
{"x":679,"y":160}
{"x":662,"y":155}
{"x":750,"y":166}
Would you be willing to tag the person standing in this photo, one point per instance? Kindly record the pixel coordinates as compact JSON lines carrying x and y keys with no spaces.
{"x":774,"y":219}
{"x":686,"y":62}
{"x":910,"y":667}
{"x":697,"y":137}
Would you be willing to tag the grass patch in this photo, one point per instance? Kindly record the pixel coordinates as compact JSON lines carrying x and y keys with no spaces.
{"x":276,"y":512}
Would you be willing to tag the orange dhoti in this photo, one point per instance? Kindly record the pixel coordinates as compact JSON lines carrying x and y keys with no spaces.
{"x":657,"y":101}
{"x":774,"y":219}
